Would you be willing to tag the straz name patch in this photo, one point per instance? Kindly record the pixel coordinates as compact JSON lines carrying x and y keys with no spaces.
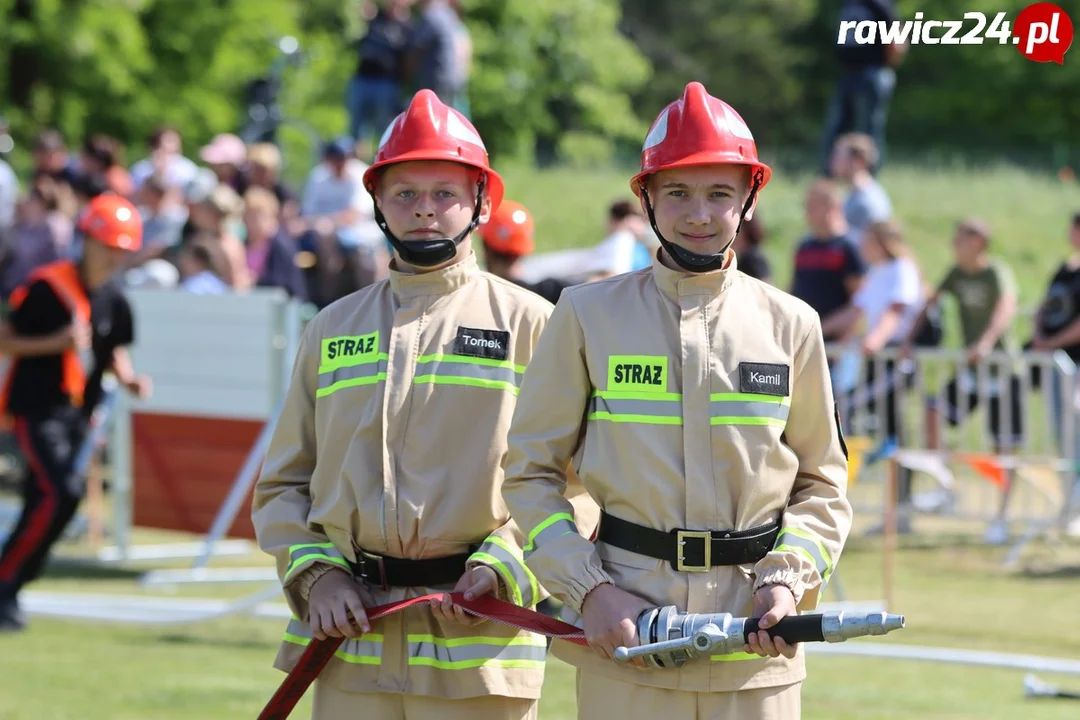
{"x":638,"y":373}
{"x":764,"y":378}
{"x":490,"y":344}
{"x":349,"y":350}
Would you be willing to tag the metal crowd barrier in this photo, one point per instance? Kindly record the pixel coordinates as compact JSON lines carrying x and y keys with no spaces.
{"x":1034,"y":391}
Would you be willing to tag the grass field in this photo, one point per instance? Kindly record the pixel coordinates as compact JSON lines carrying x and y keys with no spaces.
{"x":952,"y":590}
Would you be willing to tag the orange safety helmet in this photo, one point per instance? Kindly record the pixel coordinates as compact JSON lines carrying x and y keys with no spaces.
{"x":510,"y":230}
{"x":433,"y":131}
{"x":113,"y":221}
{"x":698,"y":129}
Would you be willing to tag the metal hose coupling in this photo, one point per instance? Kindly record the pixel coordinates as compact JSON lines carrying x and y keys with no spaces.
{"x":670,"y":638}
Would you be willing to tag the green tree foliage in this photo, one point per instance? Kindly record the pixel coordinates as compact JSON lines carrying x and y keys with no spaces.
{"x":744,"y":51}
{"x":568,"y":80}
{"x":543,"y":68}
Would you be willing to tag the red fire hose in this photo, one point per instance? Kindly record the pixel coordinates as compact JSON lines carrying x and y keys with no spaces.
{"x":319,"y":652}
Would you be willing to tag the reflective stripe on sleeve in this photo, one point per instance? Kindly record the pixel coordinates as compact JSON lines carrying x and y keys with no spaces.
{"x":441,"y":369}
{"x":803,"y":543}
{"x":365,"y":650}
{"x":508,"y":561}
{"x":645,"y":408}
{"x":300,"y":555}
{"x":529,"y":651}
{"x":552,"y":527}
{"x":367,"y":372}
{"x":749,"y":409}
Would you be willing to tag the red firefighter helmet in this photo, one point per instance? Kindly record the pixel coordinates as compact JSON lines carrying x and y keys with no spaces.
{"x":113,"y":221}
{"x":698,"y":129}
{"x":431,"y":130}
{"x":510,"y":230}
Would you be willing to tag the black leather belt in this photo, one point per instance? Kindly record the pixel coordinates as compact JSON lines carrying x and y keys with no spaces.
{"x":385,"y":572}
{"x":690,"y":550}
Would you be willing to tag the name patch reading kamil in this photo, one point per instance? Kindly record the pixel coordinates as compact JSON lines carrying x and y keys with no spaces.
{"x":489,"y":344}
{"x":638,"y":373}
{"x":764,"y":378}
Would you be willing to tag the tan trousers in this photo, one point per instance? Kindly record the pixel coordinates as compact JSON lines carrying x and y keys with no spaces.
{"x":599,"y":698}
{"x":332,"y":704}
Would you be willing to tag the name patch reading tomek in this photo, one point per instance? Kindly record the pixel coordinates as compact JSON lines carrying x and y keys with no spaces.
{"x":638,"y":373}
{"x":490,"y":344}
{"x":764,"y":378}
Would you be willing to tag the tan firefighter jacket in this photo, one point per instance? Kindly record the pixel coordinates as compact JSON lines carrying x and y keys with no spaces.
{"x":391,"y":440}
{"x":696,"y":402}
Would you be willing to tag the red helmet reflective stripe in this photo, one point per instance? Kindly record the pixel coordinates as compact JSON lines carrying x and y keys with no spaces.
{"x":510,"y":230}
{"x":698,"y":129}
{"x":431,"y":130}
{"x":113,"y":221}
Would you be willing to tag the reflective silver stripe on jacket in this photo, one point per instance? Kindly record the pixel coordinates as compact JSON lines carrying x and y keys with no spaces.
{"x":528,"y":651}
{"x":552,"y":527}
{"x":301,"y":555}
{"x":509,"y":562}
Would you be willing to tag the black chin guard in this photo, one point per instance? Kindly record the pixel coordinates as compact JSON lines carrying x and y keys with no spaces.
{"x":429,"y":253}
{"x":691,"y":261}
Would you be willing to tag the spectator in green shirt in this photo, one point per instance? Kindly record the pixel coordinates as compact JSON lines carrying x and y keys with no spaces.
{"x":985,"y":291}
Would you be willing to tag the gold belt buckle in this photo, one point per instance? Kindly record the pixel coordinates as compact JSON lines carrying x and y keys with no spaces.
{"x":680,"y":538}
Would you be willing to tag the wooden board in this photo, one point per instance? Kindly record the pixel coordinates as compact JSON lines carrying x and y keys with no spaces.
{"x":183,"y":467}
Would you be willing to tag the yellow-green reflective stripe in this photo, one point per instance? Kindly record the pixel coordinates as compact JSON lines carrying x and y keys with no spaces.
{"x":465,"y":359}
{"x":637,"y":407}
{"x":469,"y":652}
{"x":752,"y":409}
{"x":632,"y":395}
{"x":802,"y":542}
{"x":507,"y":575}
{"x":442,"y":369}
{"x":774,"y":411}
{"x":366,"y":650}
{"x":324,"y":552}
{"x":735,"y":657}
{"x":641,"y":419}
{"x":510,"y":563}
{"x":550,"y":528}
{"x":466,"y":381}
{"x":756,"y":421}
{"x":352,"y":382}
{"x":750,"y":397}
{"x":366,"y":373}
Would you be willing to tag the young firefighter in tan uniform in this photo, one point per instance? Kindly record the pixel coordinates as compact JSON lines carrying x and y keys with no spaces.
{"x":691,"y":398}
{"x":382,"y":480}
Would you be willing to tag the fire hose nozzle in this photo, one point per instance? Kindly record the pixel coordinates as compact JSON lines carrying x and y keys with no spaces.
{"x":679,"y":637}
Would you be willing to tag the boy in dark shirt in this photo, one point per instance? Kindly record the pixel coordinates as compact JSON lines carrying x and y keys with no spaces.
{"x":66,"y":320}
{"x":828,"y":267}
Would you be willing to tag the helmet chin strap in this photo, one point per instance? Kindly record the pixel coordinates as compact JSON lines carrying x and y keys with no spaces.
{"x":429,"y":253}
{"x":695,"y":262}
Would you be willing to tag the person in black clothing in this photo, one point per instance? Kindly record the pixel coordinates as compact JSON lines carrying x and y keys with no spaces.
{"x":1057,"y":323}
{"x":374,"y":96}
{"x":65,"y":315}
{"x":866,"y":83}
